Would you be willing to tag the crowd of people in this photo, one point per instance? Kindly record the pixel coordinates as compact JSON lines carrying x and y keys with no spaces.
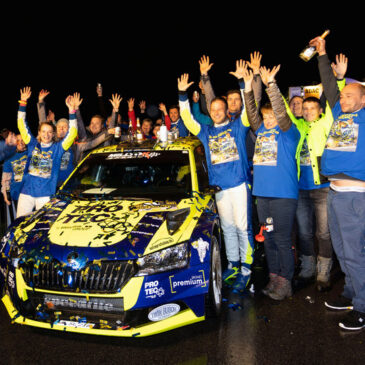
{"x":297,"y":162}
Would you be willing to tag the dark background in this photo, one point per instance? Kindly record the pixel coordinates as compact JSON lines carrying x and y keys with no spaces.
{"x":142,"y":51}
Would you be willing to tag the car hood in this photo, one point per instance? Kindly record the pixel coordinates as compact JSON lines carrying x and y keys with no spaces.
{"x":111,"y":230}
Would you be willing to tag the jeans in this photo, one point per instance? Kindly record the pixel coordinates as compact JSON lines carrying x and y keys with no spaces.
{"x":278,"y":242}
{"x":346,"y":219}
{"x":313,"y":204}
{"x":234,"y":209}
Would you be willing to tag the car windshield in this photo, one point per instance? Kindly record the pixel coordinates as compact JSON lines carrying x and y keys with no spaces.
{"x":132,"y":174}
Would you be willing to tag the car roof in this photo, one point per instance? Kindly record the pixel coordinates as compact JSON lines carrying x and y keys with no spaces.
{"x":182,"y":143}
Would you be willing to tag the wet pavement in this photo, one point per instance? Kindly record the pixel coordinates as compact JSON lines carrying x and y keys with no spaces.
{"x":253,"y":329}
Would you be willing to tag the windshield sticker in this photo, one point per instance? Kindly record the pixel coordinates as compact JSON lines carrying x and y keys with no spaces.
{"x":130,"y":155}
{"x":99,"y":191}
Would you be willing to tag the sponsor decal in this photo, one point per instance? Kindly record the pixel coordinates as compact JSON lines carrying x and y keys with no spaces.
{"x":130,"y":155}
{"x":75,"y":324}
{"x":4,"y":241}
{"x":11,"y":280}
{"x":194,"y":281}
{"x":202,"y":247}
{"x":161,"y":243}
{"x":91,"y":303}
{"x":3,"y":271}
{"x":160,"y":205}
{"x":163,"y":312}
{"x":94,"y":223}
{"x":153,"y":290}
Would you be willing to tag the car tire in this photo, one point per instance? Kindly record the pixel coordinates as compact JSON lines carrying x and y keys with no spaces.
{"x":214,"y":296}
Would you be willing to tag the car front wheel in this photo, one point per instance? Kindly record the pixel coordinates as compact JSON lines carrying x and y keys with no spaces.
{"x":214,"y":299}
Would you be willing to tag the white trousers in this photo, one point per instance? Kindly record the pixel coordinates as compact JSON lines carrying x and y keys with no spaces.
{"x":234,"y":209}
{"x":27,"y":203}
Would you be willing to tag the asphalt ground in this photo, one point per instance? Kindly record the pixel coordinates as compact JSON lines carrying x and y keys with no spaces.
{"x":253,"y":329}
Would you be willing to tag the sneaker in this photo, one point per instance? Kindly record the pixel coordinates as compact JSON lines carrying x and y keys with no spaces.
{"x":308,"y":267}
{"x":341,"y":303}
{"x":232,"y":271}
{"x":242,"y":279}
{"x":271,"y":284}
{"x":324,"y":266}
{"x":353,"y":321}
{"x":282,"y":289}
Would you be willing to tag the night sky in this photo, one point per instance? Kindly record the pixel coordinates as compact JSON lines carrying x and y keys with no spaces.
{"x":140,"y":54}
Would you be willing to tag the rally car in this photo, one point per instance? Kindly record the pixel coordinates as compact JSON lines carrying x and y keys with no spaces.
{"x":128,"y":246}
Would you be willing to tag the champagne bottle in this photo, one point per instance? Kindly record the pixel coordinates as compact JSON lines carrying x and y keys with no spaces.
{"x":309,"y":51}
{"x":163,"y":133}
{"x":139,"y":134}
{"x":130,"y":132}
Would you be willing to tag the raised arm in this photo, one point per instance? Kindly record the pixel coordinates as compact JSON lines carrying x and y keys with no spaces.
{"x":163,"y":109}
{"x":255,"y":64}
{"x":24,"y":130}
{"x":276,"y":99}
{"x":81,"y":130}
{"x":71,"y":135}
{"x":192,"y":125}
{"x":328,"y":79}
{"x":41,"y":106}
{"x":198,"y":115}
{"x":205,"y":66}
{"x":115,"y":101}
{"x":251,"y":108}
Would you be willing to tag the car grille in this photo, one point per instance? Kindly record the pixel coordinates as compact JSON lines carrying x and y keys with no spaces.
{"x":105,"y":277}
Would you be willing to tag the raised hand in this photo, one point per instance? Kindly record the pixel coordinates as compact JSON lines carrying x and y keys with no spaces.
{"x":183,"y":82}
{"x":99,"y":90}
{"x":196,"y":97}
{"x":69,"y":102}
{"x":142,"y":105}
{"x":162,"y":107}
{"x":25,"y":93}
{"x":241,"y":66}
{"x":76,"y":101}
{"x":51,"y":116}
{"x":115,"y":101}
{"x":255,"y":62}
{"x":340,"y":67}
{"x":268,"y":75}
{"x":42,"y":94}
{"x":205,"y":65}
{"x":320,"y":45}
{"x":130,"y":104}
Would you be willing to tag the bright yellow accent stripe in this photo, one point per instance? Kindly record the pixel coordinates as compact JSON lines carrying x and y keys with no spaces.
{"x":22,"y":126}
{"x":72,"y":134}
{"x":190,"y":123}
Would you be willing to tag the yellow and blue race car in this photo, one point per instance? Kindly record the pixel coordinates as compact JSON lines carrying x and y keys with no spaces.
{"x":128,"y":246}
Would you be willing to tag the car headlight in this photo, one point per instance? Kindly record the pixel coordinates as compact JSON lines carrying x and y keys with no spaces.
{"x":175,"y":257}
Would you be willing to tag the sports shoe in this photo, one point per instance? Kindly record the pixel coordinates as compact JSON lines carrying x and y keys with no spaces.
{"x":271,"y":284}
{"x":353,"y":321}
{"x":282,"y":289}
{"x":341,"y":303}
{"x":242,"y":279}
{"x":308,"y":267}
{"x":324,"y":266}
{"x":230,"y":274}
